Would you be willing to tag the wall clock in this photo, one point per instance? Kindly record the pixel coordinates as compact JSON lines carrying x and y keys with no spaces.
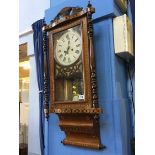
{"x":73,"y":88}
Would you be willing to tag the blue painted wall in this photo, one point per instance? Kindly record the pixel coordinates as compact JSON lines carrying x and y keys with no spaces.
{"x":104,"y":8}
{"x":112,"y":86}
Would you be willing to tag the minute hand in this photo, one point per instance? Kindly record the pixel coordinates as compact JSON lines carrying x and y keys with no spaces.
{"x":67,"y":51}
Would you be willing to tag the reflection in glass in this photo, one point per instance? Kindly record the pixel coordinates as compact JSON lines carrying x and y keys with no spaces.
{"x":68,"y":65}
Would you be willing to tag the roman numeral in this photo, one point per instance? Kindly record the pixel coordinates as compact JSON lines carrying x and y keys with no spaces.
{"x":76,"y":40}
{"x":69,"y":60}
{"x":77,"y":45}
{"x":77,"y":51}
{"x":67,"y":36}
{"x":61,"y":55}
{"x":64,"y":59}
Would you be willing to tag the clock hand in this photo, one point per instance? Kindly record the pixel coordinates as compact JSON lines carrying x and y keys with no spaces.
{"x":68,"y":48}
{"x":68,"y":45}
{"x":67,"y":51}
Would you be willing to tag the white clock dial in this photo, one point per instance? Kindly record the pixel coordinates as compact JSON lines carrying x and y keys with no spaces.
{"x":68,"y":48}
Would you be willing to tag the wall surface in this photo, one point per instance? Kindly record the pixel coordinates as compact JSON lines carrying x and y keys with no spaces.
{"x":29,"y":12}
{"x":33,"y":126}
{"x":112,"y":86}
{"x":106,"y":8}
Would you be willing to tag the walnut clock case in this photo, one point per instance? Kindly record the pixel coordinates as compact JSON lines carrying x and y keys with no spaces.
{"x":73,"y":89}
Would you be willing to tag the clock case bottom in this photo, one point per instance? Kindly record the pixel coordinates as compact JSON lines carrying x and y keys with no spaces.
{"x":81,"y":130}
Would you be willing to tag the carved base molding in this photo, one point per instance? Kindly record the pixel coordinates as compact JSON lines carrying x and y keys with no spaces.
{"x":81,"y":130}
{"x":77,"y":110}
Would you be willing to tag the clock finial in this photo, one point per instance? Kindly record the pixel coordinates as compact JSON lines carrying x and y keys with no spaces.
{"x":89,"y":4}
{"x":90,"y":9}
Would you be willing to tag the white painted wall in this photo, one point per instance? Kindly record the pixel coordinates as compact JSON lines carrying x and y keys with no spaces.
{"x":33,"y":127}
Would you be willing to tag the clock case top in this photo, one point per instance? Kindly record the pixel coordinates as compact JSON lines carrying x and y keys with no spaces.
{"x":78,"y":119}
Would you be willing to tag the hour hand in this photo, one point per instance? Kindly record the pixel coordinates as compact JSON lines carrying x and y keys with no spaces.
{"x":68,"y":48}
{"x":67,"y":51}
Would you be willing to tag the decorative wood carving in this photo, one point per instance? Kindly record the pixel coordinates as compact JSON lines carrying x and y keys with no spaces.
{"x":68,"y":71}
{"x":67,"y":11}
{"x":78,"y":119}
